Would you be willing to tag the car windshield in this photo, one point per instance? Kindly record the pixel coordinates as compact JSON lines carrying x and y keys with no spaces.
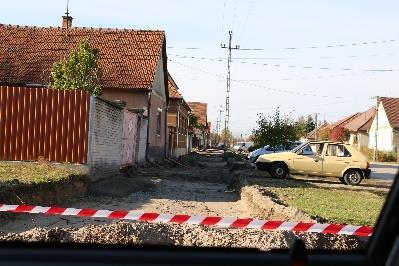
{"x":234,"y":124}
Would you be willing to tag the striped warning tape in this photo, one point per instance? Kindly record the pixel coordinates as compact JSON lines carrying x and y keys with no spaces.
{"x":224,"y":222}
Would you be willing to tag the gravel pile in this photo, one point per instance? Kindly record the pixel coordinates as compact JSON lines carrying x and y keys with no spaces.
{"x":142,"y":233}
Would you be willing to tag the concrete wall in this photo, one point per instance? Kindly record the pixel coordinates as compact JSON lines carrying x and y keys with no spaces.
{"x":385,"y":132}
{"x":362,"y":139}
{"x":157,"y":142}
{"x":105,"y":139}
{"x":133,"y":98}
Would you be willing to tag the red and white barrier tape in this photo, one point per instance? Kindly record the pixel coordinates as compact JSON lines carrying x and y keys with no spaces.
{"x":225,"y":222}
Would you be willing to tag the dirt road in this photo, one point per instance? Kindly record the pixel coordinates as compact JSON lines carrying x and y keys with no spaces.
{"x":204,"y":187}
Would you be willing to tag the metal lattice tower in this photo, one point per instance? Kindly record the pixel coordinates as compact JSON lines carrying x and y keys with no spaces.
{"x":227,"y":114}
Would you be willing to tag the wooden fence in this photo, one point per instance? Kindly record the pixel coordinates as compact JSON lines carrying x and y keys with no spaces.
{"x":42,"y":122}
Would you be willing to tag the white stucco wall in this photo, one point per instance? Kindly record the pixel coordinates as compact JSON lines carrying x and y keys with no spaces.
{"x":362,"y":139}
{"x":385,"y":132}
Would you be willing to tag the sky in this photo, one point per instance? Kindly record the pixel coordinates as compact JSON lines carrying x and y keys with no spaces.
{"x":305,"y":57}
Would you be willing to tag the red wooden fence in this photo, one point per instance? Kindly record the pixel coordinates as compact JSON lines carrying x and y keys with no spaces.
{"x":41,"y":122}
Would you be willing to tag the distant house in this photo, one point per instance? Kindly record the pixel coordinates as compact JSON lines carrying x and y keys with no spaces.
{"x":316,"y":133}
{"x":359,"y":128}
{"x":200,"y":137}
{"x":132,"y":63}
{"x":178,"y":121}
{"x":387,"y":128}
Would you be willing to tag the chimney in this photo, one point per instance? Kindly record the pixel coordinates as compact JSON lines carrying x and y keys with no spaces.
{"x":66,"y":22}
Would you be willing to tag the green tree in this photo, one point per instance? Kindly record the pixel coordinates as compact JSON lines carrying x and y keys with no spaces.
{"x":78,"y":71}
{"x":193,"y":121}
{"x":228,"y":136}
{"x":275,"y":130}
{"x":310,"y":124}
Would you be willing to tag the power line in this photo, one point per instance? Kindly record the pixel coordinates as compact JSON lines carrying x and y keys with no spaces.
{"x":259,"y":85}
{"x":289,"y":66}
{"x":343,"y":45}
{"x":356,"y":44}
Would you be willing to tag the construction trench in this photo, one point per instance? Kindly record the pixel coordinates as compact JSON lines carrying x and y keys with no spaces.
{"x":201,"y":184}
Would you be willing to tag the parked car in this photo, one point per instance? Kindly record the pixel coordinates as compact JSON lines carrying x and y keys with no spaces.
{"x":254,"y":155}
{"x":243,"y":146}
{"x":324,"y":158}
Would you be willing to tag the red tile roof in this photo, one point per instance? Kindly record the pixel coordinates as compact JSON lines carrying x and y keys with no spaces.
{"x":174,"y":92}
{"x":128,"y":58}
{"x":343,"y":122}
{"x":200,"y":111}
{"x":391,"y":106}
{"x":361,"y":122}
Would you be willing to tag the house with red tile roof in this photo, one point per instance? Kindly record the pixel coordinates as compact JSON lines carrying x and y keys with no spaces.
{"x":384,"y":129}
{"x":200,"y":137}
{"x":178,"y":121}
{"x":132,"y":63}
{"x":359,"y":127}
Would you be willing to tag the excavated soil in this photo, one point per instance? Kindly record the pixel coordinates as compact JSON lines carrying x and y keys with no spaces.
{"x":142,"y":233}
{"x":203,"y":184}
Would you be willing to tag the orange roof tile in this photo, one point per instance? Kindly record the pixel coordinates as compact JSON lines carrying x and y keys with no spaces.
{"x":127,"y":58}
{"x":174,"y":92}
{"x":200,"y":111}
{"x":361,"y":122}
{"x":391,"y":106}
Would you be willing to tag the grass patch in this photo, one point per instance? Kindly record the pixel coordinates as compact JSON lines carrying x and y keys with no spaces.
{"x":335,"y":205}
{"x":34,"y":173}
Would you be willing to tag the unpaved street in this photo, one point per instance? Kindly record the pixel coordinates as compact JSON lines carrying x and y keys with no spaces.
{"x":205,"y":185}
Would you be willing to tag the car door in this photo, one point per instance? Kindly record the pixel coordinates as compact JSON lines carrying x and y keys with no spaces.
{"x":308,"y":161}
{"x":336,"y":160}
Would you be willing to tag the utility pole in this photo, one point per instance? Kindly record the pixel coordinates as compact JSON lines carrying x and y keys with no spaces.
{"x":316,"y":129}
{"x":219,"y":121}
{"x":227,"y":114}
{"x":376,"y":128}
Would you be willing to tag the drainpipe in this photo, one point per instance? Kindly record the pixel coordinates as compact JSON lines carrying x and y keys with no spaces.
{"x":148,"y":125}
{"x":166,"y":131}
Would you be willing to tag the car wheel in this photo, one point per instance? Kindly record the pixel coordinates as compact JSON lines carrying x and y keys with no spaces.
{"x":279,"y":170}
{"x":353,"y":177}
{"x":342,"y":180}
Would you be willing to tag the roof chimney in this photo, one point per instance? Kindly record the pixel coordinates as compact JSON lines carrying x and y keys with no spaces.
{"x":66,"y":22}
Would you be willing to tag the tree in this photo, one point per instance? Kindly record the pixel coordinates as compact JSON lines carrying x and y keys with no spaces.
{"x":324,"y":133}
{"x":310,"y":124}
{"x":228,"y":136}
{"x":78,"y":71}
{"x":275,"y":130}
{"x":339,"y":134}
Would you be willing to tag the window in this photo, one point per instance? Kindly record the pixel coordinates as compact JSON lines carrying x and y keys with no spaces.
{"x":317,"y":148}
{"x":337,"y":150}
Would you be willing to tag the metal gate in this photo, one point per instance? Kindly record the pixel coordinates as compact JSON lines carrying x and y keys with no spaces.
{"x":42,"y":122}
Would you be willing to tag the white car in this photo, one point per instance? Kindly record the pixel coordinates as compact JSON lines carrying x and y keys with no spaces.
{"x":253,"y":156}
{"x":243,"y":146}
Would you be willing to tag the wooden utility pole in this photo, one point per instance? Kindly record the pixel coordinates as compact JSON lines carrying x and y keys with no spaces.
{"x":227,"y":114}
{"x":376,"y":129}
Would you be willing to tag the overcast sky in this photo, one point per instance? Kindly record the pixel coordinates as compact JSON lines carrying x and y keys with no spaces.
{"x":345,"y":51}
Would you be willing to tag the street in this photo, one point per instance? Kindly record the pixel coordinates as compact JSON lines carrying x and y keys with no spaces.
{"x":386,"y":171}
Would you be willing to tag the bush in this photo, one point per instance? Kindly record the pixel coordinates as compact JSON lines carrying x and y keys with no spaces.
{"x":382,"y":156}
